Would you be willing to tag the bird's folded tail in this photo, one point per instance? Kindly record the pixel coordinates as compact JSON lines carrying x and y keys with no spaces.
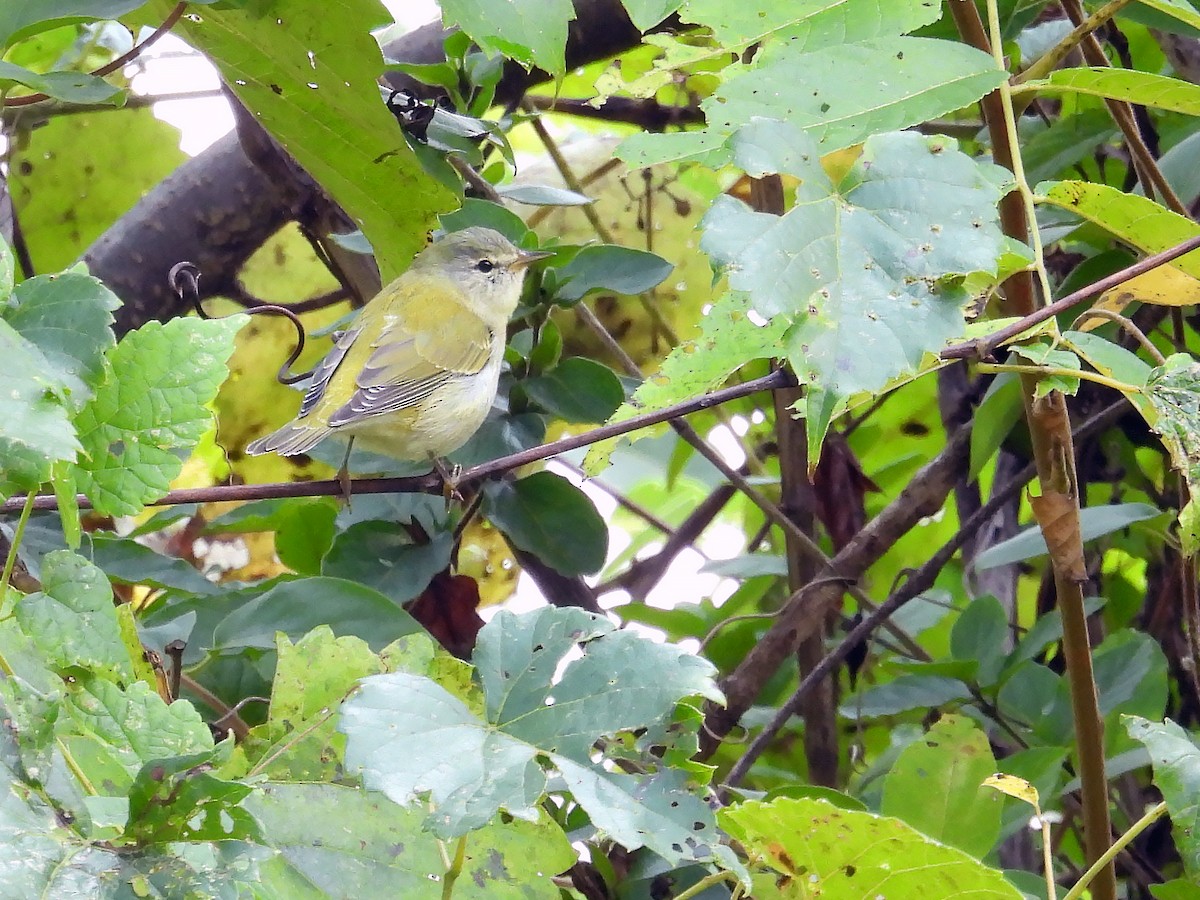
{"x":290,"y":440}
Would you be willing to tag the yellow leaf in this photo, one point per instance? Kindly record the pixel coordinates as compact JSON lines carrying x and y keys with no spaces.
{"x":1164,"y":286}
{"x":1014,"y":787}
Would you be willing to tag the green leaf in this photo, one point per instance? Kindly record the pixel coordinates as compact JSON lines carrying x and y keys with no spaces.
{"x":1176,"y":762}
{"x":112,"y":731}
{"x":382,"y":556}
{"x":1173,"y":411}
{"x":72,"y":619}
{"x":645,"y":14}
{"x":400,"y":729}
{"x":345,"y":845}
{"x":851,"y":91}
{"x":297,"y":607}
{"x":870,"y":269}
{"x":1048,"y":630}
{"x":70,"y":87}
{"x":1095,"y":522}
{"x":548,"y":516}
{"x":995,"y":417}
{"x":23,"y":18}
{"x":1129,"y":85}
{"x":310,"y":79}
{"x":577,"y":390}
{"x":622,"y":270}
{"x":1131,"y":674}
{"x":69,"y":317}
{"x":729,"y":338}
{"x":847,"y":853}
{"x":126,"y":561}
{"x":936,"y":786}
{"x":542,"y":195}
{"x":312,"y":676}
{"x":530,"y":32}
{"x":179,"y":799}
{"x":903,"y":693}
{"x":154,"y":404}
{"x":1137,"y":221}
{"x":810,"y":25}
{"x":1181,"y":10}
{"x":72,"y":178}
{"x":980,"y":635}
{"x":34,"y":428}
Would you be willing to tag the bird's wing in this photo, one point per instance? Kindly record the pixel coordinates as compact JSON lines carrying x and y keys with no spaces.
{"x":324,"y":371}
{"x":433,"y":340}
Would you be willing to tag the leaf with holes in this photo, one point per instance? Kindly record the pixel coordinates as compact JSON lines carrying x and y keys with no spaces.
{"x":869,"y":271}
{"x":401,"y":729}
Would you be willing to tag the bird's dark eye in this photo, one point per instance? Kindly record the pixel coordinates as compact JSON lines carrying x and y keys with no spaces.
{"x":485,"y":265}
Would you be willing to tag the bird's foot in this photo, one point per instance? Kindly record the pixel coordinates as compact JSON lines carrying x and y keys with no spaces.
{"x":449,"y":480}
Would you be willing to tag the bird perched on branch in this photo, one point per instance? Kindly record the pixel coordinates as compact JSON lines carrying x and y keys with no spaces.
{"x":415,"y":374}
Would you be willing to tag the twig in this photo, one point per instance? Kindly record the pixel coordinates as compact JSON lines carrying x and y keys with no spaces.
{"x":432,"y":483}
{"x":917,"y":583}
{"x":167,"y":25}
{"x":983,"y":348}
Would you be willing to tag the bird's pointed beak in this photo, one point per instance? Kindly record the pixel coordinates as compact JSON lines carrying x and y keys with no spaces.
{"x":528,"y":257}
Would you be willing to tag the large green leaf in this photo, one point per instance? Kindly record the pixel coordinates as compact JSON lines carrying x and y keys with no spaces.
{"x":816,"y":849}
{"x":1176,"y":761}
{"x":576,"y":390}
{"x":112,"y":732}
{"x":346,"y":841}
{"x":22,"y":18}
{"x":309,"y":76}
{"x":1095,"y":522}
{"x":70,"y":87}
{"x":153,"y":405}
{"x":297,"y":607}
{"x":401,"y":728}
{"x":903,"y":693}
{"x":869,"y":270}
{"x":936,"y":786}
{"x":852,"y":91}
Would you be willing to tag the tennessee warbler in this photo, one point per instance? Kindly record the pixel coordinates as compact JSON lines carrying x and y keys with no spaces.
{"x":415,"y":374}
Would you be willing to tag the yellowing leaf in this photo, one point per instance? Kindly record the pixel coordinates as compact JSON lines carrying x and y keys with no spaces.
{"x":1164,"y":286}
{"x":1014,"y":787}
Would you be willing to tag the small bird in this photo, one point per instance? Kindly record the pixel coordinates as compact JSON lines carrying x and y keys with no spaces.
{"x":415,"y":374}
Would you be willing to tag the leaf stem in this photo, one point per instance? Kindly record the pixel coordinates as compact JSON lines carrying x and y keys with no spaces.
{"x":1152,"y":816}
{"x":1018,"y":166}
{"x":705,"y":883}
{"x":10,"y":561}
{"x":1042,"y":371}
{"x":455,"y":869}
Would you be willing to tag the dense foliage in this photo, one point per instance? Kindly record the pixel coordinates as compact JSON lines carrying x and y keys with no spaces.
{"x":877,"y":313}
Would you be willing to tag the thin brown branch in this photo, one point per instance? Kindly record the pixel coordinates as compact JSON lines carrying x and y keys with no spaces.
{"x":804,"y":612}
{"x":648,"y":114}
{"x":432,"y":483}
{"x":984,"y":347}
{"x":1144,"y":163}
